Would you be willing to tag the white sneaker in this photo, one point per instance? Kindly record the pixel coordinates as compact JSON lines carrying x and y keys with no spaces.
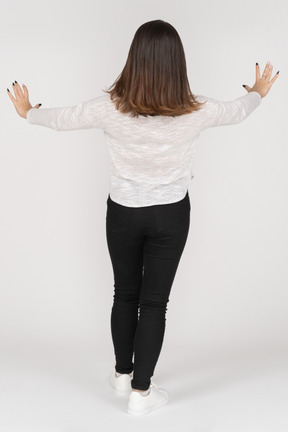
{"x":121,"y":384}
{"x":138,"y":404}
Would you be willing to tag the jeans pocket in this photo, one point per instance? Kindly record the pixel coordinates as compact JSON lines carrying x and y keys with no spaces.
{"x":117,"y":217}
{"x":172,"y":218}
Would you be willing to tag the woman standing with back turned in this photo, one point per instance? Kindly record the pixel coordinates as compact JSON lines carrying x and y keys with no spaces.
{"x":151,"y":121}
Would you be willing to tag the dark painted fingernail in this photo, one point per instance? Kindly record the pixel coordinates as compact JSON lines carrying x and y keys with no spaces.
{"x":16,"y":81}
{"x":40,"y":104}
{"x":8,"y":90}
{"x":278,"y":71}
{"x":243,"y":85}
{"x":13,"y":83}
{"x":256,"y":64}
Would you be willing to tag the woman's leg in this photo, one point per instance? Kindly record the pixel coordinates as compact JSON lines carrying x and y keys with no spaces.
{"x":162,"y":252}
{"x":153,"y":237}
{"x":126,"y":253}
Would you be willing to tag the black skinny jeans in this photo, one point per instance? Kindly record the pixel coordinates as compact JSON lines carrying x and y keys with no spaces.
{"x":145,"y":245}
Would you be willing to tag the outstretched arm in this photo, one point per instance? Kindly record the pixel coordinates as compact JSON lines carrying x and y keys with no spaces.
{"x":235,"y":111}
{"x":85,"y":115}
{"x":220,"y":113}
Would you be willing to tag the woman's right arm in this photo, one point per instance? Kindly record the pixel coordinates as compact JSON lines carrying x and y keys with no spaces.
{"x":219,"y":113}
{"x":226,"y":113}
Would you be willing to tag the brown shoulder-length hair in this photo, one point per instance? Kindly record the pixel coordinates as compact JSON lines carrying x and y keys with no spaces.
{"x":154,"y":79}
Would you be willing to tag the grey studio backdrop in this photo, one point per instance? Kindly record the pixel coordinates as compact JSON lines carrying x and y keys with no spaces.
{"x":229,"y":296}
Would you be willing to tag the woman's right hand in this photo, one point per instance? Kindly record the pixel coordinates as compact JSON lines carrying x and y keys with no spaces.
{"x":263,"y":85}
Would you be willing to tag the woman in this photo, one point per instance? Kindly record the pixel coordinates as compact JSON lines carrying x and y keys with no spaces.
{"x":151,"y":121}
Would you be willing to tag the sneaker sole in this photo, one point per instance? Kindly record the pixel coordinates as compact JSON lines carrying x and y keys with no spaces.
{"x":148,"y":409}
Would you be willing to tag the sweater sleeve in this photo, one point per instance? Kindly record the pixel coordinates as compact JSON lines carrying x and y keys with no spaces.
{"x":227,"y":113}
{"x":85,"y":115}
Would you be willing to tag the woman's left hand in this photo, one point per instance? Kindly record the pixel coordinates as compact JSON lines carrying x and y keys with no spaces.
{"x":21,"y":100}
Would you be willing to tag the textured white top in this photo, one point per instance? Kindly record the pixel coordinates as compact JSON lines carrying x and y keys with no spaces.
{"x":150,"y":157}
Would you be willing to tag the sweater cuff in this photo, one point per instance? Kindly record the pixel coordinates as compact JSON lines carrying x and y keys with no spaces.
{"x":258,"y":95}
{"x":29,"y":117}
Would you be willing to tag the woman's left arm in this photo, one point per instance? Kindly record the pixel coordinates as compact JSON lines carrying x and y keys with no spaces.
{"x":85,"y":115}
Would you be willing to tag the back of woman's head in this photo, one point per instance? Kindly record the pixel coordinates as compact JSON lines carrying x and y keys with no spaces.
{"x":154,"y":79}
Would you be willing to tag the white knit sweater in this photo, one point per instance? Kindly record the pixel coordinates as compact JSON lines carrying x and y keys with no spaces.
{"x":150,"y":157}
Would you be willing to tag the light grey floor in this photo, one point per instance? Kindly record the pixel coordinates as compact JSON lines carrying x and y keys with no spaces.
{"x":44,"y":389}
